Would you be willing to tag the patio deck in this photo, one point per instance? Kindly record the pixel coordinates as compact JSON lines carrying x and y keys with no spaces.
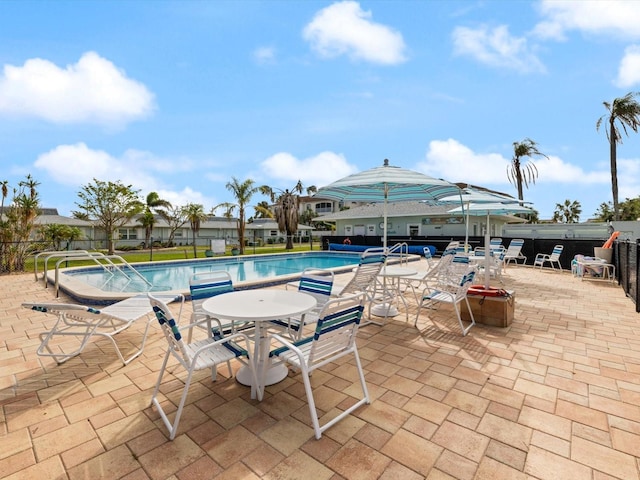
{"x":554,"y":396}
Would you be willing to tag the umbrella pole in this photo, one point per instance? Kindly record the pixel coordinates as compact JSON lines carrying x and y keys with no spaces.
{"x":487,"y":253}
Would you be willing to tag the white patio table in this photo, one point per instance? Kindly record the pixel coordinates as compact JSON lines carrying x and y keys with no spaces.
{"x":260,"y":306}
{"x":391,"y":292}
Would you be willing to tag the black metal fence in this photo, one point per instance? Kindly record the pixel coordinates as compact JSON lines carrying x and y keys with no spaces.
{"x":626,"y":262}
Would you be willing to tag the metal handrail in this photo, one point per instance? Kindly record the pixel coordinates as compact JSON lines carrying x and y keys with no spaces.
{"x":96,"y":260}
{"x":53,"y":253}
{"x":401,"y":250}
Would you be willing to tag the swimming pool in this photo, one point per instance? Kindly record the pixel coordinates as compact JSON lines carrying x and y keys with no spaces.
{"x":98,"y":285}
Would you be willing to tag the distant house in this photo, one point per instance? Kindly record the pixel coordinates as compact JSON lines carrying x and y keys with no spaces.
{"x":413,"y":219}
{"x":132,"y":233}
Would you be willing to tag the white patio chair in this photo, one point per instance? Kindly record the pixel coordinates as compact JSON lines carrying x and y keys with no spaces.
{"x":205,"y":285}
{"x":552,"y":258}
{"x":199,"y":355}
{"x":514,"y":252}
{"x":421,"y":280}
{"x":365,"y":278}
{"x":454,"y":294}
{"x":495,"y":244}
{"x":77,"y":324}
{"x":318,"y":283}
{"x":334,"y":338}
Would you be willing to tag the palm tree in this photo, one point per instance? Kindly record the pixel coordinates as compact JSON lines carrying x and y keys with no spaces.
{"x":567,"y":212}
{"x":263,"y":210}
{"x":624,"y":112}
{"x":5,"y":193}
{"x":195,"y":215}
{"x":519,"y":173}
{"x":285,"y":211}
{"x":154,"y":204}
{"x":242,"y":191}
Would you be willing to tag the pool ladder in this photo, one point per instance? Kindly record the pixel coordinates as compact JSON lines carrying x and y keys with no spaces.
{"x":107,"y":263}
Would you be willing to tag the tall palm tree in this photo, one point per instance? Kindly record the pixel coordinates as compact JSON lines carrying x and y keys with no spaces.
{"x":520,"y":174}
{"x":285,"y":211}
{"x":195,"y":215}
{"x":154,"y":204}
{"x":622,"y":112}
{"x":567,"y":212}
{"x":242,"y":191}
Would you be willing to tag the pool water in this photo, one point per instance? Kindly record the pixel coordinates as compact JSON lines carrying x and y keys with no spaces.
{"x":245,"y":271}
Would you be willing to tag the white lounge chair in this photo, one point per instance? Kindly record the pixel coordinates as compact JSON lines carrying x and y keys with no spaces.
{"x":77,"y":324}
{"x":514,"y":252}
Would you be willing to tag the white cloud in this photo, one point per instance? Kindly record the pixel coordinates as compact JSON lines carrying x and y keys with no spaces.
{"x":629,"y":69}
{"x":77,"y":165}
{"x":264,"y":55}
{"x":496,"y":48}
{"x":319,"y":170}
{"x":92,"y":90}
{"x":451,"y":160}
{"x":344,"y":28}
{"x":613,"y":17}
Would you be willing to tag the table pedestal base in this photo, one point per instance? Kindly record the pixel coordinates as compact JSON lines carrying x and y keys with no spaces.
{"x":384,"y":310}
{"x":275,"y":374}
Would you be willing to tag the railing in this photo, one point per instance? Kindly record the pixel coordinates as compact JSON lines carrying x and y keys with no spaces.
{"x":104,"y":261}
{"x":628,"y":268}
{"x":401,"y":251}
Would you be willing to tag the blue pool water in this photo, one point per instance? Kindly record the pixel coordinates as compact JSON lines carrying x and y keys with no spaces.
{"x":247,"y":270}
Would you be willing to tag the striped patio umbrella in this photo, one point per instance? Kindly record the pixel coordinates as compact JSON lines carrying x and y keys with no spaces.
{"x":478,"y":208}
{"x":387,"y":184}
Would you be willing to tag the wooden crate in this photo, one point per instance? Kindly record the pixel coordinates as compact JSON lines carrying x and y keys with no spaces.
{"x":494,"y":311}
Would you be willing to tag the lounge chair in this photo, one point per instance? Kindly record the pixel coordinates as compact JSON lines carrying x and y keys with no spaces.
{"x":552,"y":258}
{"x":199,"y":355}
{"x":514,"y":252}
{"x":334,"y":338}
{"x":79,"y":323}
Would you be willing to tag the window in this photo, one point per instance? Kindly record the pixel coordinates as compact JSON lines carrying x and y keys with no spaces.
{"x":128,"y":233}
{"x":413,"y":230}
{"x":324,"y":207}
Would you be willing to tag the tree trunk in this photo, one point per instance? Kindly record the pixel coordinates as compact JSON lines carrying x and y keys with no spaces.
{"x":614,"y":172}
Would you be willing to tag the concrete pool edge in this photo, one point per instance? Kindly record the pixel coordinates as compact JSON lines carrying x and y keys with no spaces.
{"x":86,"y":294}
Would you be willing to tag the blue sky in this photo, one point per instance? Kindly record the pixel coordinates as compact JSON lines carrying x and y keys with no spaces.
{"x":179,"y":97}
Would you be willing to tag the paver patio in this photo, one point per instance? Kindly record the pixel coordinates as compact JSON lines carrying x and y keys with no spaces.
{"x":554,"y":396}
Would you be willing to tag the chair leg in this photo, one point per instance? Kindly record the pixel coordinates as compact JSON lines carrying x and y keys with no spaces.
{"x":312,"y":404}
{"x":473,"y":320}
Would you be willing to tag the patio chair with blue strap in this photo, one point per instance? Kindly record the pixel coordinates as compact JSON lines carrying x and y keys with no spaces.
{"x":205,"y":285}
{"x":77,"y":324}
{"x":514,"y":252}
{"x":495,"y":244}
{"x":334,"y":338}
{"x":199,"y":355}
{"x":365,"y":279}
{"x":552,"y":258}
{"x":315,"y":282}
{"x":447,"y":292}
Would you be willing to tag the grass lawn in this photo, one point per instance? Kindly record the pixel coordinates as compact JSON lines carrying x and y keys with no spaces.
{"x":176,"y":253}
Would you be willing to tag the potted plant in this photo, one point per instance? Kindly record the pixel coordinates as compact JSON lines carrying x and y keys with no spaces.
{"x":235,"y":250}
